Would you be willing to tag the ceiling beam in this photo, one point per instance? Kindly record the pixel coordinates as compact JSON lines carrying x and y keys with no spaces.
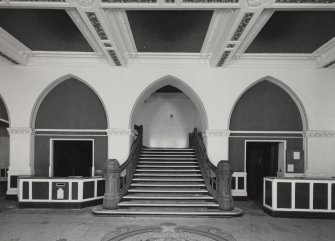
{"x":12,"y":50}
{"x":325,"y":55}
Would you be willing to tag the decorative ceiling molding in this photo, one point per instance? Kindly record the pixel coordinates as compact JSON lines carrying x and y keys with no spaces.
{"x":12,"y":49}
{"x":325,"y":55}
{"x":216,"y":133}
{"x":120,"y":132}
{"x":21,"y":131}
{"x":306,"y":1}
{"x":255,"y":3}
{"x":255,"y":29}
{"x":78,"y":20}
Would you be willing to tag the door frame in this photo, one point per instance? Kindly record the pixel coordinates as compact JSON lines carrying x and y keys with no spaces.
{"x":51,"y":153}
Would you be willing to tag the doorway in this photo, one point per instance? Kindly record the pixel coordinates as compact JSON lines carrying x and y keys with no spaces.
{"x":262,"y":160}
{"x":72,"y":158}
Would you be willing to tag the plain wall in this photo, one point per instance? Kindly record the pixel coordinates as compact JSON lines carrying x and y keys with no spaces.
{"x":167,"y":119}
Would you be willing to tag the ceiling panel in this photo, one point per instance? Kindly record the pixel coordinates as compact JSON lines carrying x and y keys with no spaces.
{"x":169,"y":31}
{"x":294,"y":32}
{"x":44,"y":29}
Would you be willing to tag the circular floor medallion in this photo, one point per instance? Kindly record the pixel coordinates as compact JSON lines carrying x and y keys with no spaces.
{"x":167,"y":232}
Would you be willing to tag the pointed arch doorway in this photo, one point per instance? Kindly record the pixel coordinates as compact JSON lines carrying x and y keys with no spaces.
{"x":169,"y":110}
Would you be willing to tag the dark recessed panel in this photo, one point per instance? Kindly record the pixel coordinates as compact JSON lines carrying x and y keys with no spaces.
{"x":40,"y":190}
{"x":268,"y":193}
{"x":294,"y":32}
{"x":101,"y":188}
{"x":88,"y":190}
{"x":25,"y":190}
{"x":302,"y":195}
{"x":44,"y":29}
{"x":168,"y":89}
{"x":169,"y":31}
{"x":74,"y":191}
{"x":233,"y":185}
{"x":240,"y":183}
{"x":320,"y":196}
{"x":284,"y":194}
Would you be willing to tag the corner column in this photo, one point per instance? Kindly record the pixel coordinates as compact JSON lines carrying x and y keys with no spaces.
{"x":21,"y":156}
{"x":119,"y":143}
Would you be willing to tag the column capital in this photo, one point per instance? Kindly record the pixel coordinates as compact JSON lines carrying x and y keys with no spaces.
{"x":216,"y":133}
{"x":21,"y":131}
{"x":320,"y":134}
{"x":120,"y":132}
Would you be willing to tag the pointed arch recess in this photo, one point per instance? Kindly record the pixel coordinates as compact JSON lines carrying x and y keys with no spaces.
{"x":175,"y":82}
{"x":283,"y":86}
{"x":54,"y":84}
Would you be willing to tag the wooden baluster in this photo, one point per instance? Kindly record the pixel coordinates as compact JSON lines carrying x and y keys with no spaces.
{"x":112,"y":184}
{"x":224,"y":196}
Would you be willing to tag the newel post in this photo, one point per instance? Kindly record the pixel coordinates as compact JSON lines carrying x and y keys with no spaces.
{"x":112,"y":184}
{"x":224,"y":196}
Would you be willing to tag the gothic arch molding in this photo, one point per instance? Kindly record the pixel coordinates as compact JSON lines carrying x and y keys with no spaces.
{"x":51,"y":86}
{"x":175,"y":82}
{"x":7,"y":111}
{"x":284,"y":87}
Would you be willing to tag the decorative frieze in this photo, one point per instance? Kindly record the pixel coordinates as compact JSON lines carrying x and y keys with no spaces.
{"x":8,"y":58}
{"x":306,"y":1}
{"x":223,"y":58}
{"x":230,"y":45}
{"x":21,"y":131}
{"x":216,"y":133}
{"x":255,"y":3}
{"x":96,"y":24}
{"x":108,"y":45}
{"x":114,"y":57}
{"x":241,"y":27}
{"x":84,"y":3}
{"x":320,"y":134}
{"x":120,"y":132}
{"x":210,"y":1}
{"x":61,"y":1}
{"x":129,"y":1}
{"x":329,"y":64}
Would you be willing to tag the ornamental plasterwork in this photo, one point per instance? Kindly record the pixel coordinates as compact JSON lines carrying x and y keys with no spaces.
{"x":84,"y":3}
{"x":21,"y":131}
{"x":38,"y":1}
{"x":241,"y":27}
{"x":96,"y":24}
{"x":129,"y":1}
{"x":120,"y":132}
{"x":114,"y":57}
{"x":255,"y":3}
{"x":320,"y":134}
{"x":223,"y":58}
{"x":8,"y":58}
{"x":210,"y":1}
{"x":306,"y":1}
{"x":216,"y":133}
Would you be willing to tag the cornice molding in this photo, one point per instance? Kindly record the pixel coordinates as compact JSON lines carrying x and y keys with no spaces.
{"x":12,"y":49}
{"x":21,"y":131}
{"x":216,"y":133}
{"x":325,"y":55}
{"x":119,"y":132}
{"x":320,"y":134}
{"x":255,"y":3}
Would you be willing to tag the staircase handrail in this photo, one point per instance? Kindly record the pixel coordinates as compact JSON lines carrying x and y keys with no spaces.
{"x":127,"y":169}
{"x":217,"y":179}
{"x":207,"y":168}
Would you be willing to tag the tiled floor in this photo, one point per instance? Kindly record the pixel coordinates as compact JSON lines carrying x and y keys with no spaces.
{"x":80,"y":225}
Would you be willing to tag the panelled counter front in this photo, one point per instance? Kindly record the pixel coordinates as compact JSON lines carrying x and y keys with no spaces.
{"x":299,"y":197}
{"x":69,"y":192}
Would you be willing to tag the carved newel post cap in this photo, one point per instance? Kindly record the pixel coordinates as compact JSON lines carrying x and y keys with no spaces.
{"x":224,"y":165}
{"x":112,"y":165}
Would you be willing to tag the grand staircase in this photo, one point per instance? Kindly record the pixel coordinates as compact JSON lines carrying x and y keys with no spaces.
{"x":167,"y":182}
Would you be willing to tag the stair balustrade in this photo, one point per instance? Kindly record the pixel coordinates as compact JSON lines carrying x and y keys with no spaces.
{"x":118,"y":178}
{"x":217,"y":179}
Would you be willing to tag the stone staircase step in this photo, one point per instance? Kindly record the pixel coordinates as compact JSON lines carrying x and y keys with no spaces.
{"x":167,"y":191}
{"x":168,"y":170}
{"x":137,"y":197}
{"x":169,"y":179}
{"x":139,"y":204}
{"x":167,"y":185}
{"x":167,"y":175}
{"x":167,"y":166}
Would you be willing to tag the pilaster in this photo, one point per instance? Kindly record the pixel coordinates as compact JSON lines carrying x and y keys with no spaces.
{"x":21,"y":156}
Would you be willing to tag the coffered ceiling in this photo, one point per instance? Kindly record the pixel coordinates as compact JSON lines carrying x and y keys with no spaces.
{"x":216,"y":33}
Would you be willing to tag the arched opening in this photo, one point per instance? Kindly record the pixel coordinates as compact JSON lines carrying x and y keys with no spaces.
{"x":267,"y":124}
{"x":70,"y":125}
{"x":168,"y":110}
{"x":4,"y":147}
